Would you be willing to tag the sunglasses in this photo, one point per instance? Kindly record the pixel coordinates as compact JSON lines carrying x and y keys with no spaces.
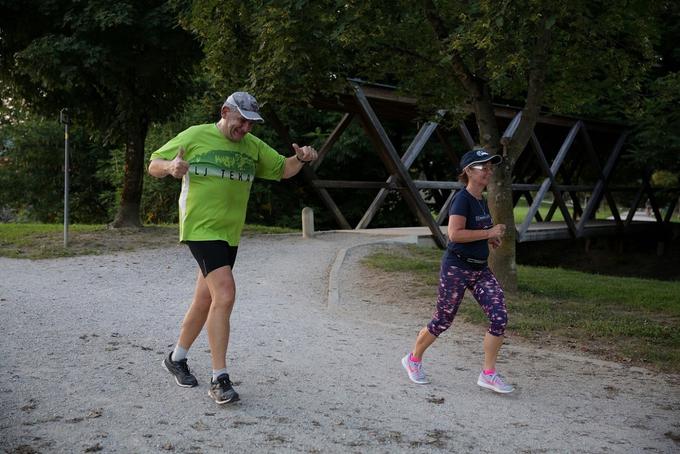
{"x":488,"y":168}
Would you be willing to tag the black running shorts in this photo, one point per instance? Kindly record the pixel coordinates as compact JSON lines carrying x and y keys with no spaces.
{"x":212,"y":254}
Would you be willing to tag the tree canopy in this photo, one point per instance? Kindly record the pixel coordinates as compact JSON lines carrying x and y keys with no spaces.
{"x":571,"y":57}
{"x":122,"y":65}
{"x":119,"y":65}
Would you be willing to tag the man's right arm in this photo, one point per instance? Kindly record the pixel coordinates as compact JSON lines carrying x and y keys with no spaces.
{"x":160,"y":168}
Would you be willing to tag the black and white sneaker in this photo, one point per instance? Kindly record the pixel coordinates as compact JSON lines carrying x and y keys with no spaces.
{"x":180,"y":370}
{"x":222,"y":391}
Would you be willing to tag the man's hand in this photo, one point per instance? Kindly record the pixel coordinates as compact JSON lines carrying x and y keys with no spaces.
{"x":178,"y":167}
{"x":305,"y":154}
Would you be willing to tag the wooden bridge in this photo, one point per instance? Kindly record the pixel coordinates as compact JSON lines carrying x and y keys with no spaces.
{"x":563,"y":153}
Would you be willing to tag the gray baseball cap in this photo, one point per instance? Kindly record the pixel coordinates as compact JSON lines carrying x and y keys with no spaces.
{"x":246,"y":104}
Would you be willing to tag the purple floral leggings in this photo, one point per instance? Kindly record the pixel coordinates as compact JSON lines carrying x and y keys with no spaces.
{"x":486,"y":290}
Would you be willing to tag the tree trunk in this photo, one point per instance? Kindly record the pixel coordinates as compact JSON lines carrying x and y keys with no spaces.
{"x":502,"y":260}
{"x":133,"y":180}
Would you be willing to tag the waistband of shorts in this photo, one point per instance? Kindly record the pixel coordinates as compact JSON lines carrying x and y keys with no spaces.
{"x":471,"y":260}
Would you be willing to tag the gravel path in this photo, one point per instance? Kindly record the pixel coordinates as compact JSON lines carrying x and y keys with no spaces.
{"x":84,"y":339}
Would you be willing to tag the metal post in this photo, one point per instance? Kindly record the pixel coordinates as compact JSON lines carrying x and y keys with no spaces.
{"x":64,"y":119}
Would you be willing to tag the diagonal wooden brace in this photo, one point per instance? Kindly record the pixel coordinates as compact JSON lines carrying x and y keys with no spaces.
{"x":396,"y":168}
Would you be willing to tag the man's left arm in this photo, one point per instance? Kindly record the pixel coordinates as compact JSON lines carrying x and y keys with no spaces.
{"x":302,"y":156}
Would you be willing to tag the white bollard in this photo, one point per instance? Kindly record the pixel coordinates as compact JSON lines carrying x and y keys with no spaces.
{"x":307,"y":222}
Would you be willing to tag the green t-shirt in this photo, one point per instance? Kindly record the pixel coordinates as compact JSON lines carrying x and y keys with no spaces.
{"x":215,"y":190}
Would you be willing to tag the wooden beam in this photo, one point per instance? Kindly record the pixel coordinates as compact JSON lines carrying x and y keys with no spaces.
{"x":465,"y":135}
{"x":512,"y":127}
{"x":409,"y":157}
{"x":388,"y":103}
{"x":307,"y":172}
{"x":636,"y":200}
{"x":448,"y":149}
{"x":345,"y":184}
{"x":601,"y":184}
{"x":427,"y":184}
{"x":561,"y":120}
{"x":332,"y":138}
{"x":550,"y":180}
{"x":444,"y":211}
{"x":670,"y":209}
{"x":530,"y":200}
{"x":330,"y":203}
{"x":654,"y":204}
{"x":395,"y":167}
{"x":418,"y":184}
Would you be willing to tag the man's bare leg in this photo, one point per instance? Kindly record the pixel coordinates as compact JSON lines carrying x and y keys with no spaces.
{"x":192,"y":324}
{"x":196,"y":315}
{"x":223,"y":294}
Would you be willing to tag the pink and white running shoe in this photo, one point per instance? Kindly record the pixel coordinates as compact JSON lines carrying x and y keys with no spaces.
{"x":414,"y":370}
{"x":495,"y":382}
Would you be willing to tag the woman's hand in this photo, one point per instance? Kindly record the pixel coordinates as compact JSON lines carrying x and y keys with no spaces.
{"x":496,"y":232}
{"x":495,"y":243}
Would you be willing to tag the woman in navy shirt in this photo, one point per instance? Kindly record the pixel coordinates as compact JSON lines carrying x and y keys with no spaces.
{"x":471,"y":231}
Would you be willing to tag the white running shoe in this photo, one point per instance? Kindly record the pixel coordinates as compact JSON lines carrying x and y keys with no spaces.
{"x":414,"y":370}
{"x":495,"y":382}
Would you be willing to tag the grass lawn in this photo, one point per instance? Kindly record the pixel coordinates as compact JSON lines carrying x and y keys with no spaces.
{"x":629,"y":320}
{"x":40,"y":241}
{"x":522,"y":208}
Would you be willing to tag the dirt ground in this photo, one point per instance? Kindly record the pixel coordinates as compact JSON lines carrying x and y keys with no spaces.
{"x":84,"y":338}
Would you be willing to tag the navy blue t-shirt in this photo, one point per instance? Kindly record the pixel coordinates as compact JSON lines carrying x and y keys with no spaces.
{"x":477,"y":217}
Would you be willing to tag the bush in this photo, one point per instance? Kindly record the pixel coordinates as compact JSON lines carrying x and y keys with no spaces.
{"x":32,"y":173}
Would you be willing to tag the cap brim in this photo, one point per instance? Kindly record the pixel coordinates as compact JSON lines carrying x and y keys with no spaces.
{"x":495,"y":159}
{"x":250,"y":115}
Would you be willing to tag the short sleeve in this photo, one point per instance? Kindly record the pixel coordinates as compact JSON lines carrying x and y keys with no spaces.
{"x":460,"y":206}
{"x":171,"y":148}
{"x":270,"y":164}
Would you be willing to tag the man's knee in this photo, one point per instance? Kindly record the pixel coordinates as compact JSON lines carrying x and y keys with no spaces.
{"x":223,"y":302}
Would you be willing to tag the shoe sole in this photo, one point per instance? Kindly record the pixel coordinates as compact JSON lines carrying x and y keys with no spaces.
{"x":487,"y":386}
{"x":403,"y":363}
{"x":236,"y":398}
{"x":175,"y":377}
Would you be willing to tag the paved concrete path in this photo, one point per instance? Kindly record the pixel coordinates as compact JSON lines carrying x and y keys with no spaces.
{"x":83,"y":341}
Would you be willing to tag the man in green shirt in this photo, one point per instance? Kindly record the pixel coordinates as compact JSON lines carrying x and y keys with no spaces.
{"x":217,"y":164}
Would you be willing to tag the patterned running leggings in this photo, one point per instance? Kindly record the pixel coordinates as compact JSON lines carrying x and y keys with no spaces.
{"x":486,"y":290}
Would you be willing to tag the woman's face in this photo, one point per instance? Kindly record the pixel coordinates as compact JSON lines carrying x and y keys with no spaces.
{"x":480,"y":174}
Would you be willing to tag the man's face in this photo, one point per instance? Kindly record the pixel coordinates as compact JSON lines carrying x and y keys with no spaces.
{"x":237,"y":126}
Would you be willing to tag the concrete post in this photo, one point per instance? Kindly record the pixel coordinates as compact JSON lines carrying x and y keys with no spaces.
{"x":307,"y":222}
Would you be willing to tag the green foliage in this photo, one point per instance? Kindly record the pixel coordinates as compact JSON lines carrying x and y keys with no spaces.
{"x":109,"y":61}
{"x":280,"y":50}
{"x":586,"y":64}
{"x":32,"y":173}
{"x":124,"y":65}
{"x":119,"y":65}
{"x":656,"y":143}
{"x":664,"y":179}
